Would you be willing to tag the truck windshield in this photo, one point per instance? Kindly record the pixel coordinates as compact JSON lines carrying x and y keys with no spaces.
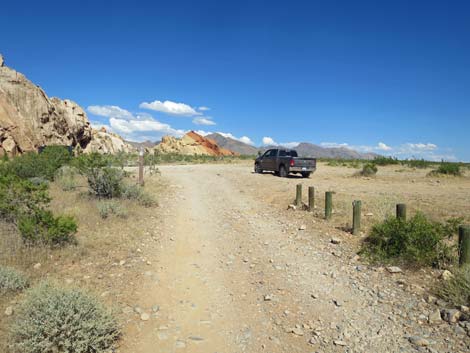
{"x":284,"y":153}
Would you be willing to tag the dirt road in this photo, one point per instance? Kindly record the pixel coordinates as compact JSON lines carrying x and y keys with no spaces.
{"x":233,"y":273}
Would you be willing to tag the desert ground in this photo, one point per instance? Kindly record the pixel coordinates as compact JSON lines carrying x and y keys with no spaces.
{"x":221,"y":264}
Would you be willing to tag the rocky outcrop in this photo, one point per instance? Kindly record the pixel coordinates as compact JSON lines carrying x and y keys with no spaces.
{"x":29,"y":119}
{"x":107,"y":142}
{"x":191,"y":144}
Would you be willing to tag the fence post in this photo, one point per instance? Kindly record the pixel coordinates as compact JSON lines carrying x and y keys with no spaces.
{"x":141,"y":167}
{"x":356,"y":217}
{"x":298,"y":195}
{"x":464,"y":245}
{"x":401,"y":211}
{"x":328,"y":204}
{"x":311,"y":198}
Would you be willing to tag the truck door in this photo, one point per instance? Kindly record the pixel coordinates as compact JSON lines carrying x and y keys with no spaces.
{"x":269,"y":162}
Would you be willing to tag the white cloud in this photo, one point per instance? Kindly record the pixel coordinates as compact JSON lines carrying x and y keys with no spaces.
{"x":171,"y":108}
{"x":203,"y":121}
{"x":247,"y":140}
{"x":203,"y":109}
{"x":268,"y":141}
{"x":109,"y":111}
{"x":97,"y":126}
{"x":202,"y":132}
{"x":128,"y":127}
{"x":419,"y":146}
{"x":383,"y":147}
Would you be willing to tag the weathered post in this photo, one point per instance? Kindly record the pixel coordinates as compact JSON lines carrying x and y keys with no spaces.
{"x":401,"y":211}
{"x":311,"y":198}
{"x":328,"y":204}
{"x":298,"y":195}
{"x":356,"y":217}
{"x":464,"y":245}
{"x":141,"y":167}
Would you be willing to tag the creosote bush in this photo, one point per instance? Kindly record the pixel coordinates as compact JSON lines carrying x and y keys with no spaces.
{"x":369,"y":169}
{"x":447,"y":169}
{"x":135,"y":192}
{"x":66,"y":177}
{"x":417,"y":241}
{"x":53,"y":319}
{"x":44,"y":227}
{"x":457,"y":289}
{"x":12,"y":280}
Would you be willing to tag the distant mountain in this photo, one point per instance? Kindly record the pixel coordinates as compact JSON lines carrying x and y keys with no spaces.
{"x":233,"y":145}
{"x":310,"y":150}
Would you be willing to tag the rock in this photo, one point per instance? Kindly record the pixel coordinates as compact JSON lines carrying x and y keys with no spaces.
{"x":369,"y":214}
{"x":297,"y":331}
{"x":268,"y":297}
{"x":434,"y":317}
{"x":9,"y":311}
{"x":464,"y":308}
{"x":446,"y":275}
{"x":450,"y":315}
{"x":431,"y":299}
{"x":30,"y":119}
{"x":122,"y":263}
{"x":196,"y":338}
{"x":303,"y":227}
{"x":459,"y":330}
{"x":2,"y":61}
{"x":37,"y":266}
{"x":191,"y":143}
{"x":340,"y":343}
{"x":144,"y":317}
{"x":292,"y":207}
{"x":418,"y":341}
{"x":394,"y":269}
{"x":335,"y":241}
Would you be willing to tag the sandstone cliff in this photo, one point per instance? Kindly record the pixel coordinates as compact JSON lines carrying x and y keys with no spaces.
{"x":191,"y":144}
{"x":29,"y":119}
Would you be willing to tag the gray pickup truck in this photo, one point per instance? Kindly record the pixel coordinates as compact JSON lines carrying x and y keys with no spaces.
{"x":284,"y":161}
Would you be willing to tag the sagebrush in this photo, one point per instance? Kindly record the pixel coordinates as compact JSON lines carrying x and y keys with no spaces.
{"x":12,"y":280}
{"x":53,"y":319}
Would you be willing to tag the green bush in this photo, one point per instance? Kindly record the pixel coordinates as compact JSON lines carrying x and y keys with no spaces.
{"x":11,"y":280}
{"x":44,"y":227}
{"x":416,"y":241}
{"x":447,"y":169}
{"x":457,"y":289}
{"x":105,"y":182}
{"x":417,"y":163}
{"x":369,"y":169}
{"x":53,"y":319}
{"x":44,"y":164}
{"x":106,"y":208}
{"x":381,"y":160}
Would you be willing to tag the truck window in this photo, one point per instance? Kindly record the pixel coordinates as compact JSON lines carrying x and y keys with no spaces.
{"x":284,"y":153}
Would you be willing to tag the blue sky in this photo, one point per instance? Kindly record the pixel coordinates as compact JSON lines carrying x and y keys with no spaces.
{"x":391,"y":77}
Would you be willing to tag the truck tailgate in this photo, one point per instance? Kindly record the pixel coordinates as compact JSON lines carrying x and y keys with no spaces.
{"x":305,"y":162}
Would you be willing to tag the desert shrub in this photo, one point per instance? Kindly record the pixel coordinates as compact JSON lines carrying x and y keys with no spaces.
{"x":369,"y":169}
{"x":21,"y":197}
{"x":447,"y":169}
{"x":457,"y":289}
{"x":105,"y":182}
{"x":417,"y":241}
{"x":66,"y":177}
{"x":44,"y":227}
{"x":107,"y":208}
{"x":53,"y":319}
{"x":44,"y":164}
{"x":417,"y":163}
{"x":11,"y":280}
{"x":135,"y":192}
{"x":382,"y":160}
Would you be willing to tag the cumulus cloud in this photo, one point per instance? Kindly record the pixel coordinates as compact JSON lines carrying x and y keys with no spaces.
{"x":269,"y":141}
{"x":203,"y":109}
{"x":130,"y":127}
{"x":171,"y":108}
{"x":203,"y":121}
{"x":383,"y":147}
{"x":247,"y":140}
{"x":334,"y":145}
{"x":419,"y":146}
{"x":244,"y":139}
{"x":109,"y":111}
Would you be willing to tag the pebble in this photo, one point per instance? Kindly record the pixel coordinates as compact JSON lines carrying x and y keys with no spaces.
{"x":9,"y":311}
{"x":37,"y":266}
{"x":335,"y":241}
{"x":303,"y":227}
{"x":451,"y":315}
{"x":435,"y":317}
{"x":446,"y":275}
{"x":268,"y":297}
{"x":340,"y":343}
{"x":394,"y":269}
{"x":144,"y":317}
{"x":418,"y":341}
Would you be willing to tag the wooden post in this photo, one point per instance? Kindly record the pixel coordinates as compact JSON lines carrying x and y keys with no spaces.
{"x":464,"y":245}
{"x":311,"y":198}
{"x":356,"y":217}
{"x":401,"y":211}
{"x":141,"y":167}
{"x":298,"y":195}
{"x":328,"y":204}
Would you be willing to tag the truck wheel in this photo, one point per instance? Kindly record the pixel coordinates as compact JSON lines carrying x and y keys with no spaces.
{"x":306,"y":174}
{"x":258,"y":169}
{"x":282,"y":171}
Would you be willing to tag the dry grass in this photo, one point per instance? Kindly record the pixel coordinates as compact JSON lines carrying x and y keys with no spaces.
{"x":93,"y":263}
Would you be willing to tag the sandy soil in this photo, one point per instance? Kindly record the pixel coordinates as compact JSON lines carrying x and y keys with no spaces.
{"x":232,"y":270}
